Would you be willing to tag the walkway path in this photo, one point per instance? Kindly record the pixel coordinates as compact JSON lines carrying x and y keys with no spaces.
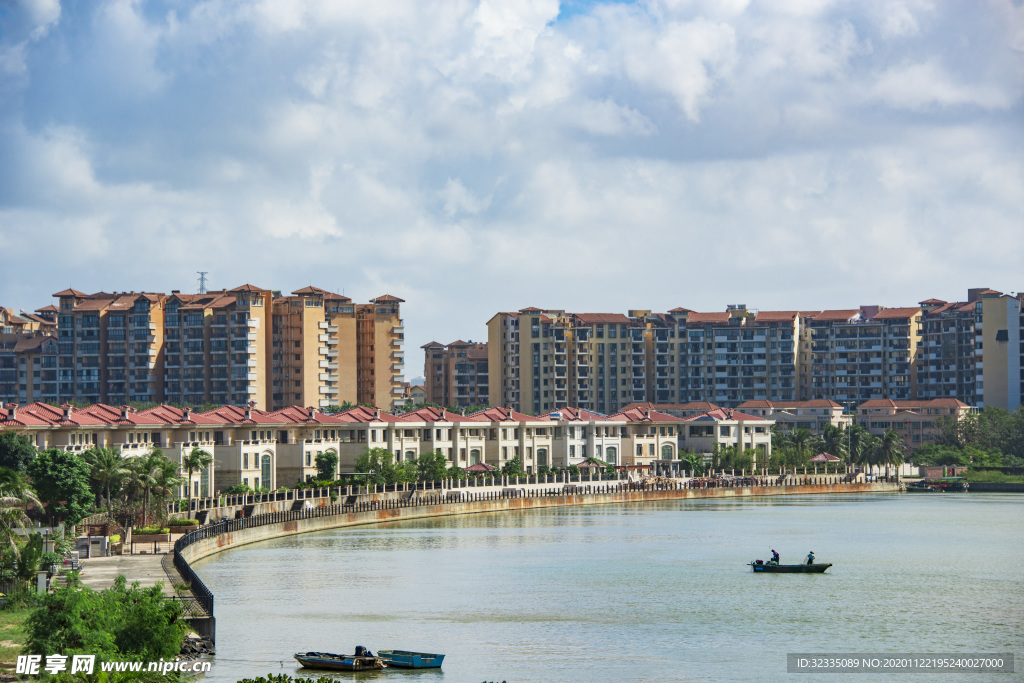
{"x":99,"y":573}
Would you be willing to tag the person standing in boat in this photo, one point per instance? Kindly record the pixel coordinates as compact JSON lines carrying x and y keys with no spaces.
{"x":810,"y":557}
{"x":775,"y":556}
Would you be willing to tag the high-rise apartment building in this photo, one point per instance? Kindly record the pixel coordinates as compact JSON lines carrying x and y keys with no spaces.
{"x":1000,"y":366}
{"x":380,"y":357}
{"x":946,"y":363}
{"x":110,"y":346}
{"x":229,"y":347}
{"x":863,"y":354}
{"x":456,"y":374}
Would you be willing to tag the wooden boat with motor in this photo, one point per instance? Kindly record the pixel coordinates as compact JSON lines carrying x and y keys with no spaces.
{"x":403,"y":659}
{"x":760,"y":566}
{"x":333,"y":662}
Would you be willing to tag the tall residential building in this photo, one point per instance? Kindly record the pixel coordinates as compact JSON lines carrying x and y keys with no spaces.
{"x":946,"y":365}
{"x":110,"y":346}
{"x":229,"y":347}
{"x":1000,"y":354}
{"x":869,"y":353}
{"x":380,"y":358}
{"x":456,"y":374}
{"x":314,"y":349}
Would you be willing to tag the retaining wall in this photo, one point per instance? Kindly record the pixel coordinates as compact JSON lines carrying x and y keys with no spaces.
{"x":214,"y":544}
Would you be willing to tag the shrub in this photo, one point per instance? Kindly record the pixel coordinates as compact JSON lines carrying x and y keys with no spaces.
{"x":151,"y":530}
{"x":177,"y":521}
{"x":115,"y":538}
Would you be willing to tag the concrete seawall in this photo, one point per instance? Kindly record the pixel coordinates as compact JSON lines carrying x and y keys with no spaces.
{"x":214,"y":544}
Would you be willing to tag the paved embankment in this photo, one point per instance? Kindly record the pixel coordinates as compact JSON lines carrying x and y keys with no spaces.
{"x":99,"y":573}
{"x":287,"y":527}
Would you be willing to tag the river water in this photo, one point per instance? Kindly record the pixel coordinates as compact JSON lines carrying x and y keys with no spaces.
{"x":643,"y":592}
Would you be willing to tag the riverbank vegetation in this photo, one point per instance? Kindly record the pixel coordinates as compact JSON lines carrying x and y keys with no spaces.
{"x":991,"y":437}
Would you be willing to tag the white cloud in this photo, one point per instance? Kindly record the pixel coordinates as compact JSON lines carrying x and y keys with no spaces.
{"x":650,"y":154}
{"x":926,"y":84}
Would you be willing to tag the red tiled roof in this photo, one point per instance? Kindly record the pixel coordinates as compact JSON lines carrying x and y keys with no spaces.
{"x":70,"y":292}
{"x":929,"y":403}
{"x":432,"y":345}
{"x":680,"y":309}
{"x":692,"y":405}
{"x":387,"y":299}
{"x":775,"y":316}
{"x":248,"y":288}
{"x":505,"y":415}
{"x":896,"y":314}
{"x":47,"y":309}
{"x":834,"y":316}
{"x":931,"y":301}
{"x":813,"y":403}
{"x":640,"y":415}
{"x":720,"y":414}
{"x":601,"y":318}
{"x":695,"y":317}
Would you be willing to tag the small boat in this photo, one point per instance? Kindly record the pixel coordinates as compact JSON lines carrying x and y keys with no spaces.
{"x":328,"y":660}
{"x":403,"y":659}
{"x":767,"y":568}
{"x":945,"y":484}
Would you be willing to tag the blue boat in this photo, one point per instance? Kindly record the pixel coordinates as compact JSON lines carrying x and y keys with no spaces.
{"x":403,"y":659}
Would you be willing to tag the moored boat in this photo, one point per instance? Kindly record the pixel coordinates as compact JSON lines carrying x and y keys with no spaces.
{"x":404,"y":659}
{"x":331,"y":661}
{"x":768,"y":568}
{"x":945,"y":484}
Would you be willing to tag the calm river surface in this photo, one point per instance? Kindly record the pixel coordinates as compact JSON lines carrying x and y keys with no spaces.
{"x":646,"y":592}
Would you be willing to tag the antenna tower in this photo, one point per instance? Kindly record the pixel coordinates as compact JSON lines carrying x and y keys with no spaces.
{"x":202,"y":280}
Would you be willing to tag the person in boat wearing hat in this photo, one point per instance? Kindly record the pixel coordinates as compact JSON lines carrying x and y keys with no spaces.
{"x":810,"y":557}
{"x":775,"y":556}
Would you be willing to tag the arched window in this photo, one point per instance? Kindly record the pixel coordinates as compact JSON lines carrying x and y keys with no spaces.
{"x":268,"y":480}
{"x":609,"y":455}
{"x":542,"y":457}
{"x":410,"y":456}
{"x":667,"y":452}
{"x":474,"y":456}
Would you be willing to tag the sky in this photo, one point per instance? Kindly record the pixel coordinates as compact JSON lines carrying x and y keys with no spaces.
{"x":472,"y":157}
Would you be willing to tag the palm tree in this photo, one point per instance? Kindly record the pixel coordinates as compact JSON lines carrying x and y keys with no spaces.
{"x":800,"y":438}
{"x":15,"y":495}
{"x":197,"y":459}
{"x":166,"y":479}
{"x":108,"y":466}
{"x":891,"y":450}
{"x":859,"y":443}
{"x":144,"y":472}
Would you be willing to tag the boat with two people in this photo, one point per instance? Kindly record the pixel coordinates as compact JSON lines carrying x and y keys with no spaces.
{"x":773,"y":567}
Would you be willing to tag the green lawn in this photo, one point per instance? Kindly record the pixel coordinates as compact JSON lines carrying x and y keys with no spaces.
{"x":12,"y":636}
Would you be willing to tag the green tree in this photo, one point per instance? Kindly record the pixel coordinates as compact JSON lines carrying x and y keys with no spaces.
{"x":15,"y":495}
{"x":513,"y":467}
{"x":455,"y":472}
{"x":195,"y":460}
{"x":326,"y":465}
{"x":376,"y":466}
{"x":28,"y":561}
{"x":117,"y":623}
{"x":61,"y":480}
{"x":432,"y":466}
{"x":695,"y":463}
{"x":891,"y":450}
{"x":16,"y":451}
{"x":106,"y":469}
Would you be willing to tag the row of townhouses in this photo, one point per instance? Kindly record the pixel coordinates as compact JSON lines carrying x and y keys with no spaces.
{"x":971,"y":351}
{"x":236,"y":346}
{"x":279,"y":448}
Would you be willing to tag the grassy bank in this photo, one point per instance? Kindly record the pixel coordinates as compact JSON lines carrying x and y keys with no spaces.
{"x":12,"y":634}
